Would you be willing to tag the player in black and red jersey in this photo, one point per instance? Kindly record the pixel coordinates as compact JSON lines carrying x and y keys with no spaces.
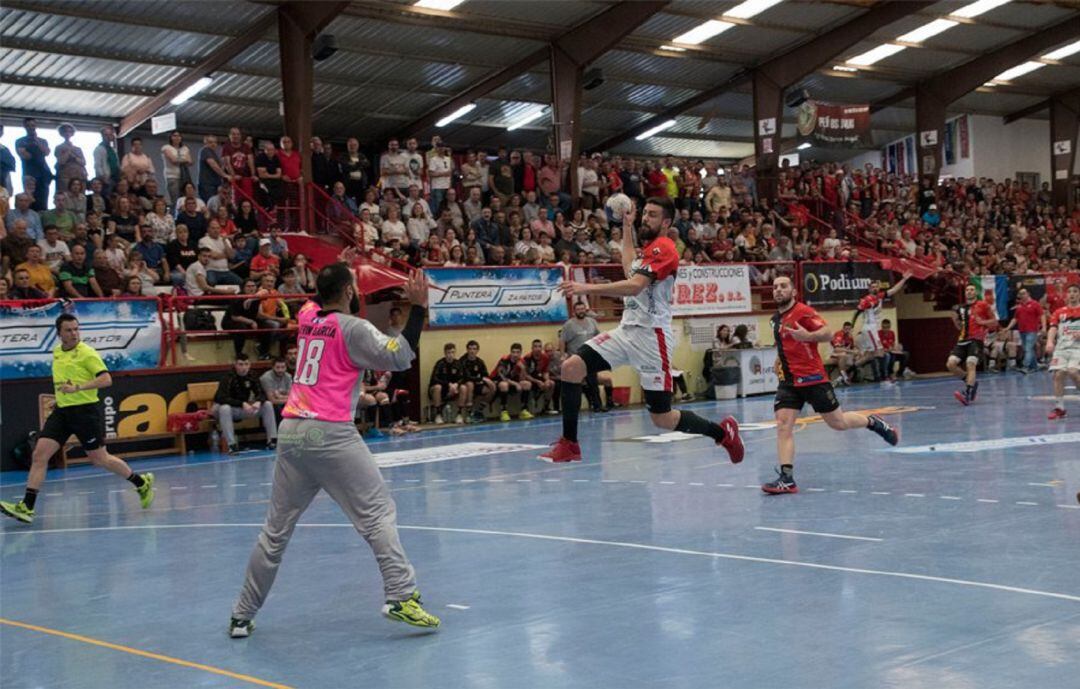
{"x":479,"y":388}
{"x":974,"y":318}
{"x":797,"y":330}
{"x":509,"y":374}
{"x":536,"y":371}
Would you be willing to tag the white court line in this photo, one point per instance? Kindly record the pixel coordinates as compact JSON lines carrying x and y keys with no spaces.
{"x":1070,"y":507}
{"x":819,"y":533}
{"x":815,"y":490}
{"x":591,"y":541}
{"x":638,"y":481}
{"x":950,"y":497}
{"x":985,"y":500}
{"x":455,"y":606}
{"x":914,"y":495}
{"x":581,"y":480}
{"x":880,"y":492}
{"x":1025,"y":502}
{"x":847,"y":491}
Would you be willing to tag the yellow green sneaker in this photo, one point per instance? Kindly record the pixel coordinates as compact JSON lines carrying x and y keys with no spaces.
{"x":146,"y":491}
{"x":525,"y":415}
{"x":17,"y":510}
{"x":409,"y":611}
{"x":504,"y":416}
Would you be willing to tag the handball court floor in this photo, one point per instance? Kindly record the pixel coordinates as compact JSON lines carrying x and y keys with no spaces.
{"x":955,"y":563}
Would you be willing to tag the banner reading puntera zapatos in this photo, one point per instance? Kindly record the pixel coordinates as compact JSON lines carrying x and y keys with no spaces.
{"x":127,"y":334}
{"x":494,"y":296}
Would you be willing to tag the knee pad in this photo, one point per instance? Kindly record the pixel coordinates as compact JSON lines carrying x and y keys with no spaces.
{"x":657,"y":401}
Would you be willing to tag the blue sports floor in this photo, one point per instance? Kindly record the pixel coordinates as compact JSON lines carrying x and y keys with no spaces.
{"x":650,"y":564}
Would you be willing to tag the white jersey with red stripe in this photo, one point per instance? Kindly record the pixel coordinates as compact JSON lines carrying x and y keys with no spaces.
{"x":651,"y":308}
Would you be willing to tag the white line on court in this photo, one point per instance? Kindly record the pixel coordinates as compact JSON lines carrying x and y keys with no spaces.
{"x":455,"y":606}
{"x":880,"y":492}
{"x":591,"y":541}
{"x":950,"y":497}
{"x":815,"y":490}
{"x":847,"y":491}
{"x":1025,"y":502}
{"x":985,"y":500}
{"x":819,"y":533}
{"x":914,"y":495}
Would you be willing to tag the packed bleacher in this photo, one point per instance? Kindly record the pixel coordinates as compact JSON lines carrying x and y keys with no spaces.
{"x":437,"y":207}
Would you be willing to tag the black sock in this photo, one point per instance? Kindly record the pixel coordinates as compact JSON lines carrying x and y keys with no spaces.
{"x":571,"y":406}
{"x":384,"y":415}
{"x":136,"y":480}
{"x":689,"y":422}
{"x":609,"y":395}
{"x":30,"y":498}
{"x":969,"y":391}
{"x":787,"y":471}
{"x":504,"y":395}
{"x":524,"y":397}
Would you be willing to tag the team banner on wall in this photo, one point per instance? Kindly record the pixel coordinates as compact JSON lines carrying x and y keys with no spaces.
{"x":712,"y":289}
{"x":127,"y":334}
{"x":504,"y":296}
{"x":841,"y":283}
{"x":834,"y":125}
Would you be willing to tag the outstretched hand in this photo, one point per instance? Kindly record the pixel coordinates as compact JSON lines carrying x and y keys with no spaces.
{"x":416,"y":288}
{"x":570,"y":288}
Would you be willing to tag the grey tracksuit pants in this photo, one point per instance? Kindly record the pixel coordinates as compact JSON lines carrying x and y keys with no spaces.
{"x":314,"y":455}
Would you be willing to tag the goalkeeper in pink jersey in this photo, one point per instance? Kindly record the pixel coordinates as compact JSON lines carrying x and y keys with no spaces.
{"x":319,"y":447}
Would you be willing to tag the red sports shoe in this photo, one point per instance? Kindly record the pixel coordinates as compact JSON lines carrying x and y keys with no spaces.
{"x":962,"y":398}
{"x":732,"y":442}
{"x":562,"y":451}
{"x":1057,"y":414}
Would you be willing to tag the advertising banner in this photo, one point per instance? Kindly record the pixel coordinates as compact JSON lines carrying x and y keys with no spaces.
{"x":834,"y":125}
{"x":494,"y":296}
{"x":126,"y":333}
{"x":135,"y":405}
{"x":840,"y":283}
{"x":712,"y":289}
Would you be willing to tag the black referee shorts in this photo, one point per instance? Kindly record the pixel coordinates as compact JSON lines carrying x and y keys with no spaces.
{"x":85,"y":421}
{"x":821,"y":397}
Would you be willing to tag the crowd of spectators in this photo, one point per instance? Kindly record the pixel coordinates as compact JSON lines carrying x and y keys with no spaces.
{"x":119,"y":232}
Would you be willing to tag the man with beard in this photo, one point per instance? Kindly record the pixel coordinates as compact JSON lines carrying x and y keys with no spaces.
{"x":797,"y":330}
{"x":642,"y":340}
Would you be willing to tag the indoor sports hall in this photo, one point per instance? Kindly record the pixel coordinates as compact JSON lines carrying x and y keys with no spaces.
{"x":535,"y":344}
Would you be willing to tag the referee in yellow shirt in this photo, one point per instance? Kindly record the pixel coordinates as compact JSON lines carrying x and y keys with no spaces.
{"x":78,"y":374}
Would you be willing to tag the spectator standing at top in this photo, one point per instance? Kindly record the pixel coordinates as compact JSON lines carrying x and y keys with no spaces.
{"x":70,"y":161}
{"x":33,"y":150}
{"x":212,"y":174}
{"x":394,"y":168}
{"x":176,"y":165}
{"x":106,"y":160}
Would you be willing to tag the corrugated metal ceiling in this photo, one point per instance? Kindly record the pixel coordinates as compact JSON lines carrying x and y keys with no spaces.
{"x":388,"y":73}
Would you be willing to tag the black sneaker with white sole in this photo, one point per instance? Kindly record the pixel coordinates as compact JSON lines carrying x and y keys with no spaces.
{"x":240,"y":629}
{"x":887,"y":432}
{"x":784,"y":483}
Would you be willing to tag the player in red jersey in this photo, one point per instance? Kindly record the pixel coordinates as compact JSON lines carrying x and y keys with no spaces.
{"x":643,"y":339}
{"x":797,"y":330}
{"x":974,"y":318}
{"x":1063,"y":346}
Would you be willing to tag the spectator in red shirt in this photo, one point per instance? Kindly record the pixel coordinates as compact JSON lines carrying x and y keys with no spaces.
{"x":894,"y":351}
{"x":843,"y":353}
{"x":536,"y":372}
{"x":1028,"y":319}
{"x":265,"y":261}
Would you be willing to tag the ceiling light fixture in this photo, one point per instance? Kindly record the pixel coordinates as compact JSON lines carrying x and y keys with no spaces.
{"x":804,"y":146}
{"x":700,"y":34}
{"x":927,"y":31}
{"x":977,"y":8}
{"x":444,"y":5}
{"x":524,"y":120}
{"x":750,"y":8}
{"x":1063,"y":52}
{"x":460,"y":112}
{"x":673,"y":48}
{"x":655,"y":130}
{"x":844,"y":68}
{"x":875,"y":55}
{"x":188,"y":93}
{"x":1019,"y":71}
